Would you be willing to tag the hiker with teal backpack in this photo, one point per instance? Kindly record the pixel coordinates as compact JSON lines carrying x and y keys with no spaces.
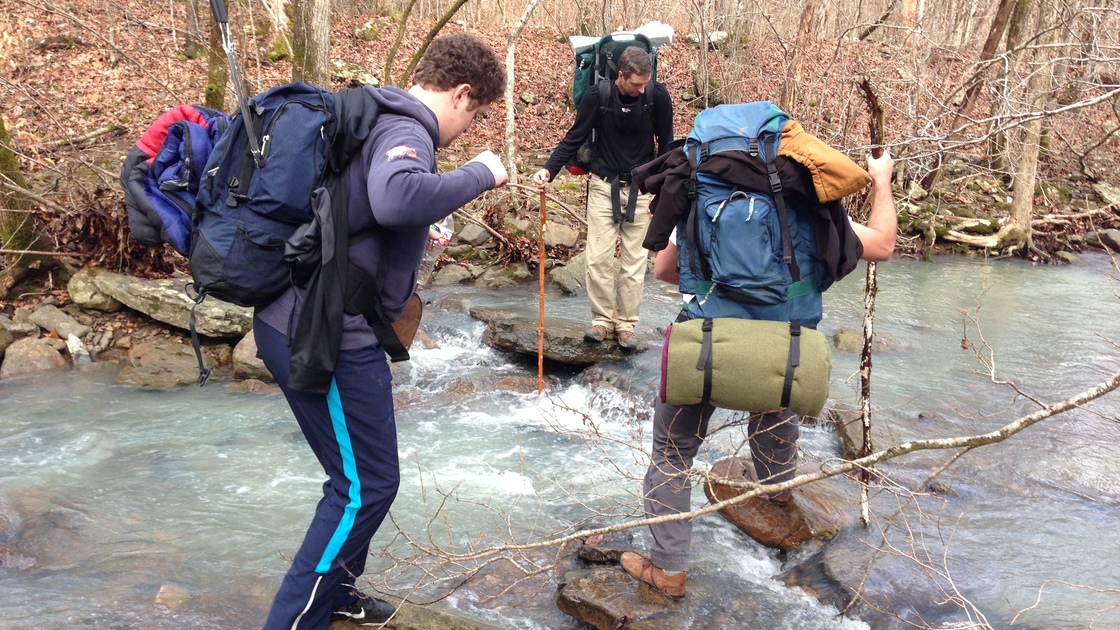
{"x":395,"y":193}
{"x":622,"y":115}
{"x":760,"y":233}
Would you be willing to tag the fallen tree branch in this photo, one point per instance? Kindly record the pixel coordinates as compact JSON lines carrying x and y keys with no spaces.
{"x":752,"y":489}
{"x":23,"y":191}
{"x":1066,"y":218}
{"x":533,"y":191}
{"x":32,"y":252}
{"x":55,"y":144}
{"x":482,"y":224}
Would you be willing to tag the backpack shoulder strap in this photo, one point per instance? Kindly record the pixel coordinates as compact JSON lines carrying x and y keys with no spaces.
{"x":604,"y":98}
{"x":771,"y":158}
{"x":697,"y":154}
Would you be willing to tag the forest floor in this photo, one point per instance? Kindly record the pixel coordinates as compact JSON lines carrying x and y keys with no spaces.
{"x":81,"y":82}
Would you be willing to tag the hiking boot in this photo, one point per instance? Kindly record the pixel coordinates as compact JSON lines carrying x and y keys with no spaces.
{"x":365,"y":611}
{"x":641,"y":567}
{"x":598,"y":334}
{"x":627,"y":340}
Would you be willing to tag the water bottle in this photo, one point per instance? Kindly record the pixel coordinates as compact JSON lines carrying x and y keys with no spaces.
{"x":439,"y":236}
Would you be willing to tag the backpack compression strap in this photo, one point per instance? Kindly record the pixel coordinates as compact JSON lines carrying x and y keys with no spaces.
{"x":705,"y":360}
{"x":794,"y":359}
{"x":203,"y":371}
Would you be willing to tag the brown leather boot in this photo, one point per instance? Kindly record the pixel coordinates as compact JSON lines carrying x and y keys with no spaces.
{"x":641,"y":567}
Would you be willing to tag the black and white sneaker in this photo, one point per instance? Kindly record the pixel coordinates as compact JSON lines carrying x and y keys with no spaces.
{"x":365,"y":611}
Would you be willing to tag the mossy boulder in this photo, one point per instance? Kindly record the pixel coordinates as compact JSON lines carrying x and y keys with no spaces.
{"x":367,"y":32}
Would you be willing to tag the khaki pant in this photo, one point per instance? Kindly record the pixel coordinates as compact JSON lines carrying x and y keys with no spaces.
{"x":615,"y":299}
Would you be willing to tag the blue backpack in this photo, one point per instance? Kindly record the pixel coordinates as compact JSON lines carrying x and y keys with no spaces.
{"x":228,"y":201}
{"x":255,"y":192}
{"x":267,"y":210}
{"x":744,"y":245}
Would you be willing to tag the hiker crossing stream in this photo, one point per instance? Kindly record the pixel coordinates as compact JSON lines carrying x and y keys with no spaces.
{"x":129,"y":509}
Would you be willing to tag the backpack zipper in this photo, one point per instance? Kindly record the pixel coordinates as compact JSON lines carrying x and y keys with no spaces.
{"x":730,"y":198}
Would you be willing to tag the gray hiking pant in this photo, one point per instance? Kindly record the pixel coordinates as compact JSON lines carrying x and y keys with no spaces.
{"x":678,"y":433}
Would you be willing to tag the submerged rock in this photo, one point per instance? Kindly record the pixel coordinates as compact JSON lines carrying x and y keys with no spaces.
{"x":885,"y":587}
{"x":594,"y":589}
{"x":160,"y":365}
{"x":817,"y":510}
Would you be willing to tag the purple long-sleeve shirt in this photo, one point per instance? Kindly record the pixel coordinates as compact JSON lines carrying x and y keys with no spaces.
{"x":395,"y":187}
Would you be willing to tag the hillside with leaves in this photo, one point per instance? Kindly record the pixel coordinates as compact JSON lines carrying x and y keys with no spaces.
{"x":81,"y":82}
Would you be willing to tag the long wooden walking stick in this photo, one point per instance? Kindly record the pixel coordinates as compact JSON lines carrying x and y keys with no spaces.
{"x":876,"y":129}
{"x":540,"y":323}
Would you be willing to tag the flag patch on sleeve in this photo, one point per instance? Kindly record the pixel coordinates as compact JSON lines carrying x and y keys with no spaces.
{"x":400,"y":152}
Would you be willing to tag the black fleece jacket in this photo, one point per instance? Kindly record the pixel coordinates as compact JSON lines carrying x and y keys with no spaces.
{"x":626,"y":132}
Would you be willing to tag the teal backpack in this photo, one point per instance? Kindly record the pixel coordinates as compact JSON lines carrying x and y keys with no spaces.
{"x":598,"y":63}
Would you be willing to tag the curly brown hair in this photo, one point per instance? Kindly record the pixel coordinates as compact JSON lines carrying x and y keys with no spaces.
{"x":453,"y":60}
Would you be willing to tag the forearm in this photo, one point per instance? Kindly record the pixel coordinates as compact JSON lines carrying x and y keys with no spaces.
{"x":665,"y":265}
{"x":882,"y":222}
{"x":879,"y":235}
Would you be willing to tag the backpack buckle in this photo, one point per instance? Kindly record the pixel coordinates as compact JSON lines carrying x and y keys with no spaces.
{"x":752,"y":147}
{"x":775,"y":183}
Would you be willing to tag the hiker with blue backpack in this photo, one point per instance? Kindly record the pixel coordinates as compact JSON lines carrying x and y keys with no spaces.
{"x":748,"y":221}
{"x":395,"y":192}
{"x":622,"y":116}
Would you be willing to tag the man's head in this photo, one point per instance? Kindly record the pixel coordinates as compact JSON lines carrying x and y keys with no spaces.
{"x":635,"y":67}
{"x":458,"y":78}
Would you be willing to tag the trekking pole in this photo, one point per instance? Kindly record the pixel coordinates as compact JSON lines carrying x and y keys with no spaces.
{"x":540,"y":323}
{"x":876,"y":131}
{"x":218,"y":8}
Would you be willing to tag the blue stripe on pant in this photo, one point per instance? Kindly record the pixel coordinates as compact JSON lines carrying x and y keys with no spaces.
{"x":353,"y":433}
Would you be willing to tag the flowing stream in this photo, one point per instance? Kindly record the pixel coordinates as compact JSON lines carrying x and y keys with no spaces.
{"x":128,"y":509}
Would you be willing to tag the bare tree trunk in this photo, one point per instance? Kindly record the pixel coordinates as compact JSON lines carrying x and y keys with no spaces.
{"x":1026,"y":168}
{"x":387,"y":73}
{"x":511,"y":109}
{"x":311,"y":42}
{"x":998,"y":157}
{"x":995,"y":34}
{"x":909,"y":19}
{"x":217,"y":71}
{"x":17,"y":221}
{"x":791,"y":89}
{"x":192,"y":45}
{"x":704,"y":84}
